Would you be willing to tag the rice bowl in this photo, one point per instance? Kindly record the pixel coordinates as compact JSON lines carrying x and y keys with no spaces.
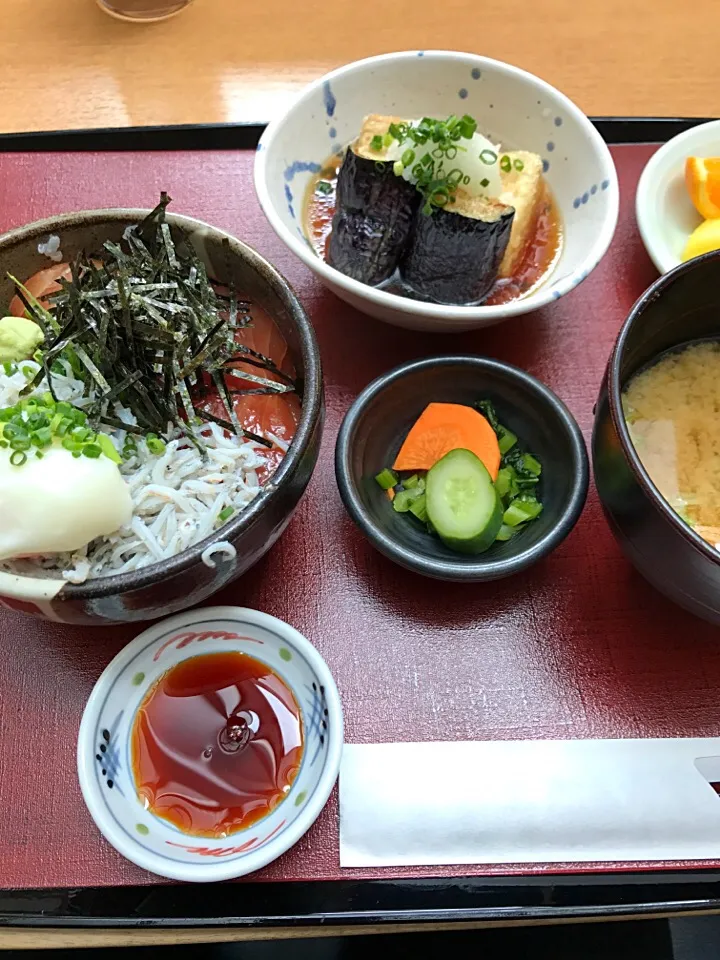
{"x":181,"y":528}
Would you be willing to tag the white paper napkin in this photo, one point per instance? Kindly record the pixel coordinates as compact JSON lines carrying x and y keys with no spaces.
{"x":540,"y":801}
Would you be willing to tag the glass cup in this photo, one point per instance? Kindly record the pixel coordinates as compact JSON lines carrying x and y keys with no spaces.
{"x":143,"y":11}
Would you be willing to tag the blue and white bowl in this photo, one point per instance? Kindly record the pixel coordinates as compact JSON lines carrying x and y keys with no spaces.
{"x":511,"y":106}
{"x":105,"y":769}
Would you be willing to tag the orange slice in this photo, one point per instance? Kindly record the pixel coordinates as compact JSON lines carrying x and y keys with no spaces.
{"x":702,"y":177}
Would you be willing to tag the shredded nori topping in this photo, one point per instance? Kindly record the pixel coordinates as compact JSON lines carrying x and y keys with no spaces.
{"x":143,"y":325}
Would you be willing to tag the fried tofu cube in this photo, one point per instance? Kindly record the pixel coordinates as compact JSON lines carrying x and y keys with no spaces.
{"x":374,"y":125}
{"x":525,"y":191}
{"x":478,"y":208}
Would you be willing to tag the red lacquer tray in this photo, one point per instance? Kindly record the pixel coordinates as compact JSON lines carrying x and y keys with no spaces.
{"x":578,"y":647}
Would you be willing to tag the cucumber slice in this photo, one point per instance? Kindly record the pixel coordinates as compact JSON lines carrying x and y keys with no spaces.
{"x":462,"y":503}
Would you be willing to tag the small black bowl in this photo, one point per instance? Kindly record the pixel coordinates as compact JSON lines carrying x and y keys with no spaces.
{"x":682,"y":306}
{"x":379,"y":420}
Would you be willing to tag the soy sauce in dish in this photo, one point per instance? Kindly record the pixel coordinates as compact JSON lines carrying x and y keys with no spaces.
{"x":216,"y":744}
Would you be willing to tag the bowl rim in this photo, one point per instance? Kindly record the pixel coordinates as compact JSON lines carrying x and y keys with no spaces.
{"x":547,"y":293}
{"x":614,"y":393}
{"x":253,"y":860}
{"x":462,"y":569}
{"x":35,"y":587}
{"x":647,"y":190}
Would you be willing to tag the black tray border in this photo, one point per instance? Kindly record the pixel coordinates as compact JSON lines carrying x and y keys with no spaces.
{"x":244,"y":136}
{"x":349,"y":903}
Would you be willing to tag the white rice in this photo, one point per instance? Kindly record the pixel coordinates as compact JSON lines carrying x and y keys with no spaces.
{"x":51,"y":248}
{"x":177,"y":496}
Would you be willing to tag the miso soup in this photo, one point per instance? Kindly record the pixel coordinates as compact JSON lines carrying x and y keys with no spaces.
{"x":672,"y":410}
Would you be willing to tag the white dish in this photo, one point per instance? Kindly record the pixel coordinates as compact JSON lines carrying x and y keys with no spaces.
{"x":511,"y":106}
{"x":665,"y":213}
{"x":104,"y":765}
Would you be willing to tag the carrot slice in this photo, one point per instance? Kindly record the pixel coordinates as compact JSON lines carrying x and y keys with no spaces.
{"x":443,"y":427}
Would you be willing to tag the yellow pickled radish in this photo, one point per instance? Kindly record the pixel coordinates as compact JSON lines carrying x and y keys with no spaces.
{"x":703,"y":239}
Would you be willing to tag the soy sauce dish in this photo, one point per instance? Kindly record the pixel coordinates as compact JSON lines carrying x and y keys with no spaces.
{"x":438,"y":190}
{"x":461,"y":468}
{"x":210,"y":744}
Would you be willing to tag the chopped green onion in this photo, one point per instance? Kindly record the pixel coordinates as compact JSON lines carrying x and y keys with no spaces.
{"x":129,"y":447}
{"x":386,"y":479}
{"x":398,"y":168}
{"x":324,"y":187}
{"x":505,"y":163}
{"x":440,"y":197}
{"x":485,"y":182}
{"x":387,"y":139}
{"x":28,"y":372}
{"x":92,"y":450}
{"x":155,"y":445}
{"x":408,"y":158}
{"x":18,"y":458}
{"x":9,"y":369}
{"x":518,"y":164}
{"x":488,"y":156}
{"x":376,"y":143}
{"x":108,"y":448}
{"x":42,"y":437}
{"x":14,"y":430}
{"x":468,"y":126}
{"x":226,"y":514}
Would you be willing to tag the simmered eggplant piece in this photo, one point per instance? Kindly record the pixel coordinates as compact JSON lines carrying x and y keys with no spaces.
{"x":373,"y":219}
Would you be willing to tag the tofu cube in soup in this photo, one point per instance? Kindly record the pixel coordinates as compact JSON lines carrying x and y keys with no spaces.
{"x":375,"y":124}
{"x":525,"y":191}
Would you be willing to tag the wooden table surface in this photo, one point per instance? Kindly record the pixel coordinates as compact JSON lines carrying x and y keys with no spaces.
{"x":66,"y":64}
